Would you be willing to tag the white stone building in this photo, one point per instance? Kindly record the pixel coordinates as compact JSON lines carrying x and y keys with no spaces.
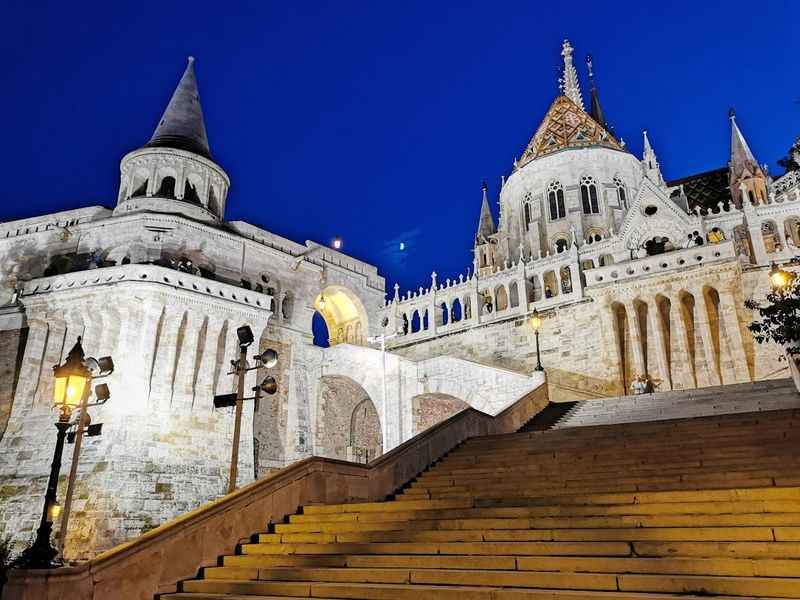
{"x":589,"y":235}
{"x":633,"y":274}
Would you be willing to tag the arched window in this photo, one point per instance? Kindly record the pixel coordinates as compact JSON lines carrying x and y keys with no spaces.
{"x":167,"y":187}
{"x":527,"y":216}
{"x":190,"y":193}
{"x":526,"y":209}
{"x":561,"y":245}
{"x":589,"y":195}
{"x":555,"y":199}
{"x":621,"y":194}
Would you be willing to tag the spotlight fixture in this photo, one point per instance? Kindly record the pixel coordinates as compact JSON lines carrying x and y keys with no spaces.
{"x":245,"y":335}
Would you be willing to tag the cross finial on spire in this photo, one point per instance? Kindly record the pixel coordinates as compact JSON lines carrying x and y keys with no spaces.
{"x":571,"y":87}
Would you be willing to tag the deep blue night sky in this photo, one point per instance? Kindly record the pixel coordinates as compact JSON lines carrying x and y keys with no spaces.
{"x":377,"y":121}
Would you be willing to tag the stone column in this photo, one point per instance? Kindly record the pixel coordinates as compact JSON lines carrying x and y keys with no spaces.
{"x":707,"y":374}
{"x":204,"y":388}
{"x":165,"y":355}
{"x":658,"y":364}
{"x":58,"y":344}
{"x":183,"y":389}
{"x":32,"y":361}
{"x":639,"y":366}
{"x":683,"y":363}
{"x":732,"y":339}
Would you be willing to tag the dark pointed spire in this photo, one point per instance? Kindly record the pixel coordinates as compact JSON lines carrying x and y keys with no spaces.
{"x":596,"y":110}
{"x":182,"y":126}
{"x":742,"y":159}
{"x":486,"y":225}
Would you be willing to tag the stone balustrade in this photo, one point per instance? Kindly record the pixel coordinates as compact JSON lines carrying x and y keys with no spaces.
{"x":661,"y":263}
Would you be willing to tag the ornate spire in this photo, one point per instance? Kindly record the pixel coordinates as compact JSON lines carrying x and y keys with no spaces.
{"x":652,"y":170}
{"x":742,"y":160}
{"x":570,"y":86}
{"x":182,"y":126}
{"x":596,"y":109}
{"x":486,"y":225}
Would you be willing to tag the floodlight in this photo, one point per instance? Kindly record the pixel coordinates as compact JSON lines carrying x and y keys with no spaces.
{"x":101,"y":392}
{"x":245,"y":335}
{"x":106,"y":364}
{"x":94,"y":430}
{"x":269,"y":385}
{"x":268,"y":358}
{"x":224,"y":400}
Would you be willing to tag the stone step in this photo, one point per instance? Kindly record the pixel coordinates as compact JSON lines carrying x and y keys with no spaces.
{"x":418,"y":592}
{"x":504,"y":533}
{"x":466,"y":583}
{"x":460,"y":520}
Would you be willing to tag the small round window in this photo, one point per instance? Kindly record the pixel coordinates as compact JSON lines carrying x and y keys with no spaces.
{"x":650,"y":210}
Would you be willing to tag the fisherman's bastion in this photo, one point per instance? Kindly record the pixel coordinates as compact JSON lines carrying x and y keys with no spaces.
{"x":633,"y":276}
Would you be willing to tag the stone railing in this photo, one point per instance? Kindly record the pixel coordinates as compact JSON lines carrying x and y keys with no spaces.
{"x":669,"y":261}
{"x":159,"y":276}
{"x":154,"y":562}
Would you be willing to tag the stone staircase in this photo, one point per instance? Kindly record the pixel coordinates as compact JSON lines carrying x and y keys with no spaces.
{"x":687,"y":509}
{"x":773,"y":394}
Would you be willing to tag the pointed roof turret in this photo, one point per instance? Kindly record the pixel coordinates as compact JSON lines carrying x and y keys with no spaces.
{"x":486,"y":227}
{"x":596,"y":109}
{"x":569,"y":82}
{"x":652,"y":170}
{"x":182,"y":126}
{"x":742,"y":160}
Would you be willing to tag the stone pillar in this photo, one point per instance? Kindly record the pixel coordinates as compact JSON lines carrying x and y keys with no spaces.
{"x":707,"y":374}
{"x":32,"y":361}
{"x":58,"y":344}
{"x":658,"y":364}
{"x":183,"y":389}
{"x":639,"y":366}
{"x":732,"y":339}
{"x":683,"y":363}
{"x":165,"y":357}
{"x":204,"y":388}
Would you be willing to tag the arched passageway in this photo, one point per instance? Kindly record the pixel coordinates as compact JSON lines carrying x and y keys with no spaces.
{"x":344,"y":316}
{"x":430,"y":409}
{"x":348,"y":425}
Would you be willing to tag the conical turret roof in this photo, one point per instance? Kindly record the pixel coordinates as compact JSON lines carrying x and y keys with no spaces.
{"x":182,"y":126}
{"x":742,"y":159}
{"x":486,"y":226}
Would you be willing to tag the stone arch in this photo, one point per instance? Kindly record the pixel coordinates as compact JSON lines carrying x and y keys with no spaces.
{"x":341,"y":308}
{"x":513,"y":294}
{"x":565,"y":274}
{"x":348,"y":424}
{"x":711,"y":297}
{"x":456,"y":314}
{"x":550,"y":284}
{"x":687,"y":306}
{"x":769,"y":233}
{"x":622,"y":333}
{"x":442,"y":315}
{"x":430,"y":409}
{"x":166,"y":182}
{"x":791,"y":230}
{"x":416,"y":322}
{"x":605,"y":260}
{"x":192,"y":188}
{"x":501,"y":298}
{"x":139,"y":183}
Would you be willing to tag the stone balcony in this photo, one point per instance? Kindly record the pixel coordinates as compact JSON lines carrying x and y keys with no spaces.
{"x":661,"y":263}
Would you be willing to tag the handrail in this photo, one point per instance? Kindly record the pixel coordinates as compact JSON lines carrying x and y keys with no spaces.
{"x":154,"y":562}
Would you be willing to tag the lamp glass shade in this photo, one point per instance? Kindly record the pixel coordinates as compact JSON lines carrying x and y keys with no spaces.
{"x":779,"y":278}
{"x":68,"y":391}
{"x":536,"y":322}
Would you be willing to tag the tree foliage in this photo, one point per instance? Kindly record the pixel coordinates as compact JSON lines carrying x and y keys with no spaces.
{"x":791,"y":162}
{"x":779,"y":318}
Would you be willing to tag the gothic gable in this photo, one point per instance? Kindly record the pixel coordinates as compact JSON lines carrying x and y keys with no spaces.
{"x":566,"y":125}
{"x":653,"y":214}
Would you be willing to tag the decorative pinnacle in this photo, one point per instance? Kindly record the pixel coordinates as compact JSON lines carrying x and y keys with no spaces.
{"x":589,"y":68}
{"x":571,"y":87}
{"x":191,"y":59}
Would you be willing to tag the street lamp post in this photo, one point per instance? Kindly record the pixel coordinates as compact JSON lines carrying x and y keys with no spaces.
{"x":536,"y":325}
{"x":71,"y":382}
{"x":268,"y":359}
